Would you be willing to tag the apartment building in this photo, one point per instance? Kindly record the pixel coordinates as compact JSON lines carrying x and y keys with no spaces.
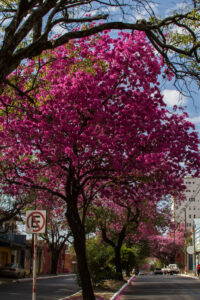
{"x":189,"y":209}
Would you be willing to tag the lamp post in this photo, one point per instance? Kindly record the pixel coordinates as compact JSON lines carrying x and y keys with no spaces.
{"x":185,"y":242}
{"x":194,"y":257}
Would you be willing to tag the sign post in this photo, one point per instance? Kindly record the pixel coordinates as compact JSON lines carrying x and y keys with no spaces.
{"x":35,"y":223}
{"x":34,"y":266}
{"x":196,"y":243}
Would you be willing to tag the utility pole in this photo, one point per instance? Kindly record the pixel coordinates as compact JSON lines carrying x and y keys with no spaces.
{"x":194,"y":257}
{"x":185,"y":242}
{"x":174,"y":234}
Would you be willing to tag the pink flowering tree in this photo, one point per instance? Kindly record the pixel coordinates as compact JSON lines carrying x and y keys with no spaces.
{"x":170,"y":246}
{"x":129,"y":213}
{"x":97,"y":116}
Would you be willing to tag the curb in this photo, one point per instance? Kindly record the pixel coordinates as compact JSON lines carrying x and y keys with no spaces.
{"x":40,"y":277}
{"x":46,"y":277}
{"x":70,"y":296}
{"x":122,"y":289}
{"x":189,"y":276}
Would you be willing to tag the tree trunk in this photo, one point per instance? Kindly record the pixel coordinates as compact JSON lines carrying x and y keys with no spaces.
{"x":80,"y":248}
{"x":117,"y":249}
{"x":118,"y":264}
{"x":54,"y":261}
{"x":128,"y":271}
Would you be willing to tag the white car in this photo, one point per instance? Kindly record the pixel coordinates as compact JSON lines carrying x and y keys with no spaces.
{"x":171,"y":269}
{"x":174,"y":268}
{"x":12,"y":270}
{"x":141,"y":273}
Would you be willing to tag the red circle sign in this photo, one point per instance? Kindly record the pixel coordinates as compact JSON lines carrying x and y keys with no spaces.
{"x":33,"y":216}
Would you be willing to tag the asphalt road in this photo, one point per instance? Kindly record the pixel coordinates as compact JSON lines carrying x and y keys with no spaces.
{"x":47,"y":289}
{"x":163,"y":287}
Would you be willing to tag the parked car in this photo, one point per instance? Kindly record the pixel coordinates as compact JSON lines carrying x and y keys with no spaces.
{"x":171,"y":269}
{"x":12,"y":270}
{"x":158,"y":271}
{"x":141,"y":273}
{"x":166,"y":270}
{"x":174,"y":269}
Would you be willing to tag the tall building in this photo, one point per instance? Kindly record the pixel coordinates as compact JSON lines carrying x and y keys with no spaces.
{"x":189,"y":209}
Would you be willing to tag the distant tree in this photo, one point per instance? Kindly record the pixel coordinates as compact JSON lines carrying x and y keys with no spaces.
{"x":12,"y":206}
{"x":129,"y":216}
{"x":56,"y":236}
{"x":168,"y":247}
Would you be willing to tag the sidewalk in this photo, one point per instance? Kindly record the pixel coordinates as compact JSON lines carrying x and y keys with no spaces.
{"x":191,"y":275}
{"x":7,"y":280}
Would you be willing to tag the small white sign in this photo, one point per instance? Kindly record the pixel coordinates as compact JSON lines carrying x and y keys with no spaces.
{"x":36,"y":221}
{"x":190,"y":249}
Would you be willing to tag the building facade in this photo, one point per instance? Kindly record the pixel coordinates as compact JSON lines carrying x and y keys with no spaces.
{"x":189,"y":209}
{"x":43,"y":258}
{"x":12,"y":244}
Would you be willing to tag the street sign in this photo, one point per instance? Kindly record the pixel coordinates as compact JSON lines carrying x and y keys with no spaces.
{"x":190,"y":249}
{"x":36,"y":221}
{"x":197,"y":234}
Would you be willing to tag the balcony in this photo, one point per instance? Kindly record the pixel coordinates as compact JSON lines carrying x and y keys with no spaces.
{"x":12,"y":238}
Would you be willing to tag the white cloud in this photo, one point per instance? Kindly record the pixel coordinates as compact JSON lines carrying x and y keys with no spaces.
{"x":173,"y":97}
{"x":177,"y":29}
{"x":144,"y":13}
{"x":195,"y":120}
{"x":58,"y":30}
{"x":180,"y":7}
{"x":114,"y":9}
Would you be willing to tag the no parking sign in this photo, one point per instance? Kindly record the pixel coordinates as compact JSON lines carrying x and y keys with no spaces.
{"x":36,"y":221}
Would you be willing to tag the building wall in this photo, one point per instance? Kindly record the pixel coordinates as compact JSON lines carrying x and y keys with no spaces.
{"x":189,"y":209}
{"x":44,"y":259}
{"x":70,"y":263}
{"x":5,"y":256}
{"x":12,"y":243}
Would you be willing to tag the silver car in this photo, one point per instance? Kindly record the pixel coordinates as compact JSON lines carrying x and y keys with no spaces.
{"x":12,"y":270}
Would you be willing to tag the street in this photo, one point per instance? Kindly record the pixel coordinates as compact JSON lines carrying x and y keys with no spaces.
{"x":163,"y":287}
{"x":47,"y":289}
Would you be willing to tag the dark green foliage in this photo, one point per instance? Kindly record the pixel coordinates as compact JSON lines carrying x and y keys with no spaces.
{"x":128,"y":258}
{"x":100,"y":261}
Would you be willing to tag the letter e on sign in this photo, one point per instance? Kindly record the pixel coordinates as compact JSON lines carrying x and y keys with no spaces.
{"x":36,"y":221}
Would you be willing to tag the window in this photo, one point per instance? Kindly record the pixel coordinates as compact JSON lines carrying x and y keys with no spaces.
{"x":191,"y":199}
{"x":190,"y":216}
{"x":194,"y":216}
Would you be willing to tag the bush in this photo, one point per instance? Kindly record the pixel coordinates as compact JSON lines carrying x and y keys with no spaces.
{"x":100,"y":261}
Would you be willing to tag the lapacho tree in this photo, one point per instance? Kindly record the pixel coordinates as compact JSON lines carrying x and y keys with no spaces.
{"x":98,"y":115}
{"x":128,"y":213}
